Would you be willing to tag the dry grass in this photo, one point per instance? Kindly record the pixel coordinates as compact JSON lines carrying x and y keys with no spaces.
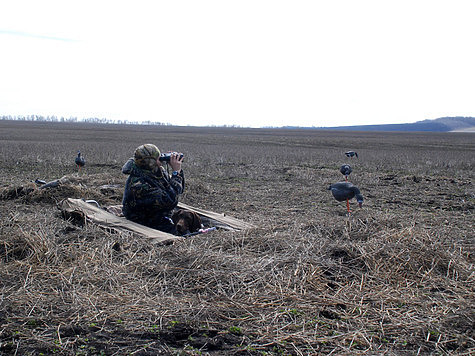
{"x":394,"y":278}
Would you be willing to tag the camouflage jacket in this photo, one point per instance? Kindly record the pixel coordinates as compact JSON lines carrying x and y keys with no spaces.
{"x":150,"y":197}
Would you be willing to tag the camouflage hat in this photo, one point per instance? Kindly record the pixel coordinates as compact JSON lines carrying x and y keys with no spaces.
{"x":145,"y":156}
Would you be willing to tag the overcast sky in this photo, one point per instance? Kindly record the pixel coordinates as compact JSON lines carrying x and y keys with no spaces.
{"x":249,"y":63}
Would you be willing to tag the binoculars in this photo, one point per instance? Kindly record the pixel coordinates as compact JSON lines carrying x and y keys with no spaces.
{"x":165,"y":157}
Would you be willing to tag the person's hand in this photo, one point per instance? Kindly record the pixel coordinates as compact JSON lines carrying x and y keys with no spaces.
{"x":176,"y":161}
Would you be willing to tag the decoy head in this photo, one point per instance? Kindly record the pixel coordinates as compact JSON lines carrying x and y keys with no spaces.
{"x":359,"y":199}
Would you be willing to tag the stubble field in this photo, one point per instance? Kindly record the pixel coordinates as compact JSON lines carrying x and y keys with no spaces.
{"x":394,"y":278}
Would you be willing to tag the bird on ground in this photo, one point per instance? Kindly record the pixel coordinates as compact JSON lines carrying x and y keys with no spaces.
{"x":346,"y":170}
{"x":80,"y":161}
{"x":346,"y":191}
{"x":351,"y":154}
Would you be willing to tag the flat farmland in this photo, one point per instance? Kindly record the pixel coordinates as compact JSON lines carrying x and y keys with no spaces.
{"x":395,"y":277}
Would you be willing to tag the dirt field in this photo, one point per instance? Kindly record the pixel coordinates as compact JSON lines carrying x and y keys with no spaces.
{"x":394,"y":278}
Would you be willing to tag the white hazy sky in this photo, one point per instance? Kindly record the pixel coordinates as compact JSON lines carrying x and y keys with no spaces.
{"x":249,"y":63}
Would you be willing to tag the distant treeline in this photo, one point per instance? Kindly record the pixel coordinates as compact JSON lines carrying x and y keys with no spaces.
{"x":92,"y":120}
{"x":443,"y":124}
{"x":95,"y":120}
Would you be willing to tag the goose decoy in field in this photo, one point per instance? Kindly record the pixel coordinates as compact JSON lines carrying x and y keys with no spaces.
{"x":40,"y":181}
{"x":351,"y":154}
{"x":345,"y":191}
{"x":346,"y":170}
{"x":80,"y":161}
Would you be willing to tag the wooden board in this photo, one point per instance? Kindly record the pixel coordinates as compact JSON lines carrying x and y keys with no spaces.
{"x":226,"y":220}
{"x":108,"y":220}
{"x":103,"y":218}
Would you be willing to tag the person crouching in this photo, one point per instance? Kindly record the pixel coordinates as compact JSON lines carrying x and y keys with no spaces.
{"x":150,"y":194}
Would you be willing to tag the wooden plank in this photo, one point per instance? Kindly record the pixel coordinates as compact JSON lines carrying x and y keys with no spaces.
{"x":105,"y":219}
{"x":108,"y":220}
{"x":227,"y":220}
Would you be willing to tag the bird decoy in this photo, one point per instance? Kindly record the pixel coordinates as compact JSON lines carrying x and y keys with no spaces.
{"x":40,"y":181}
{"x":346,"y":191}
{"x":80,"y":161}
{"x":346,"y":170}
{"x":351,"y":154}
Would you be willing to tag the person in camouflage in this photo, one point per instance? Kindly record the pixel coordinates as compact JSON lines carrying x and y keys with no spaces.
{"x":150,"y":194}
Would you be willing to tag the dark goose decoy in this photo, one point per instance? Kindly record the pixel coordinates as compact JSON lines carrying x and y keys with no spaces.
{"x":351,"y":154}
{"x":345,"y":191}
{"x":346,"y":170}
{"x":80,"y":161}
